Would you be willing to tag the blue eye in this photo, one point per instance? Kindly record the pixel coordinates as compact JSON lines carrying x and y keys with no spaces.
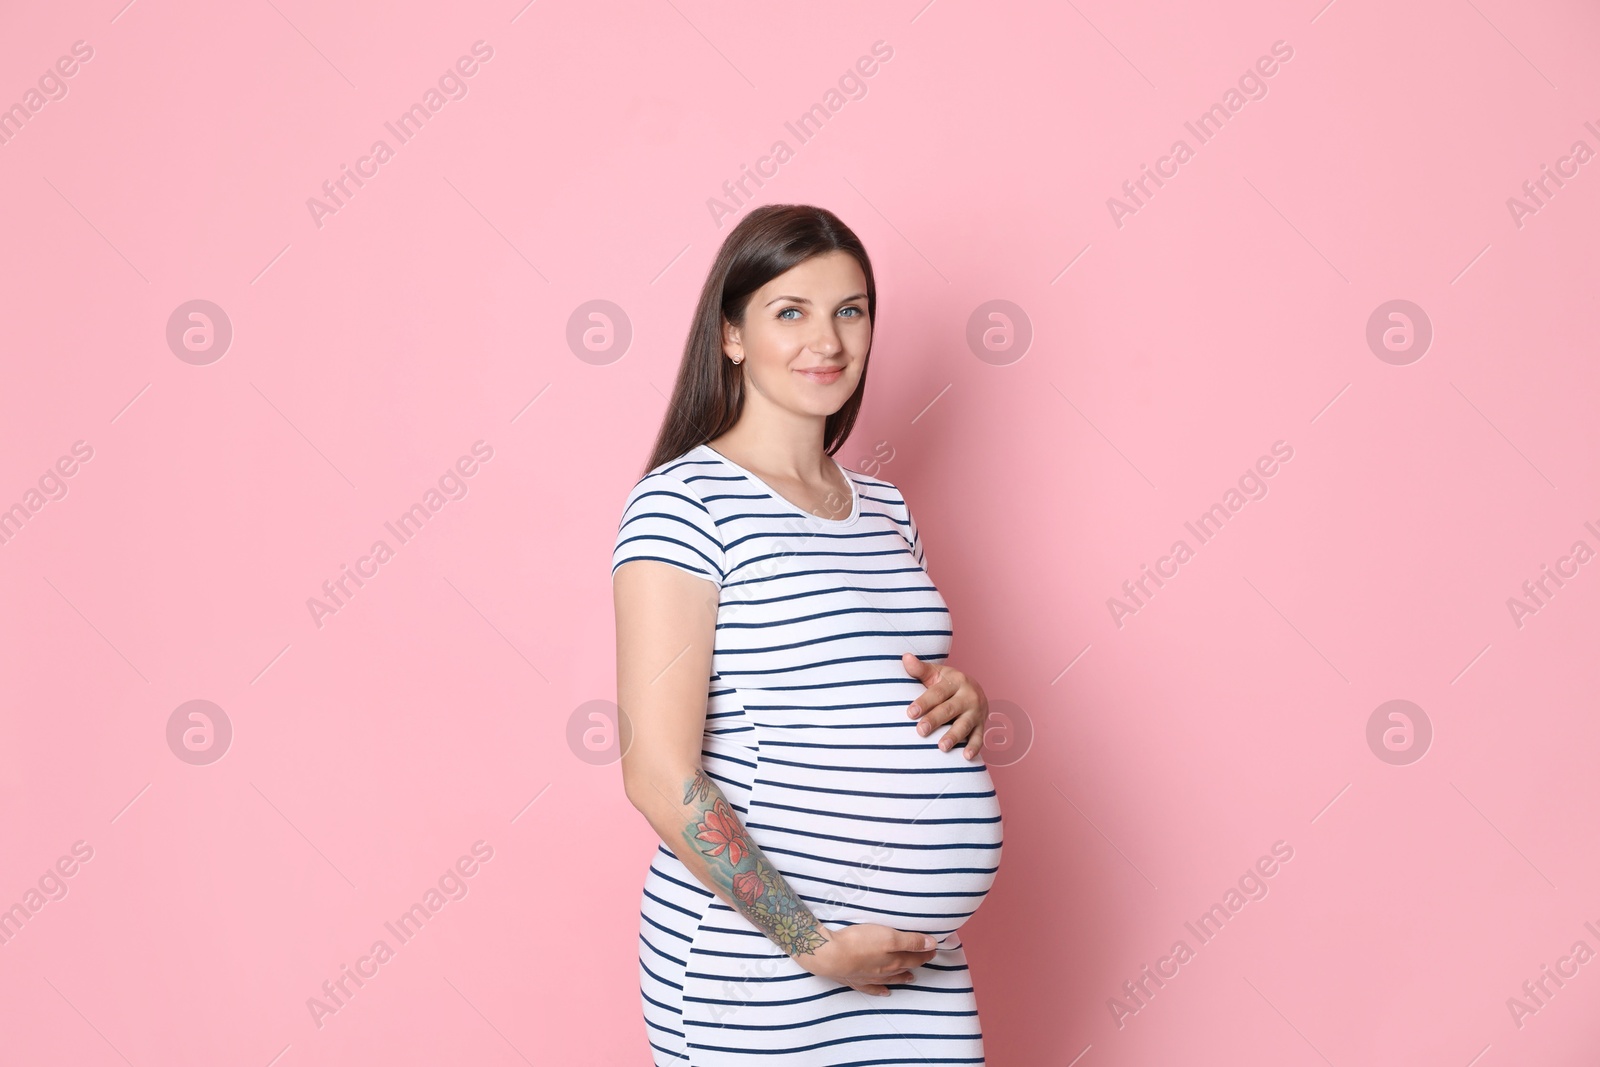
{"x":852,"y":308}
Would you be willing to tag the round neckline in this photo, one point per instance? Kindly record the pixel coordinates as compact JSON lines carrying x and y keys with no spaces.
{"x":855,"y":492}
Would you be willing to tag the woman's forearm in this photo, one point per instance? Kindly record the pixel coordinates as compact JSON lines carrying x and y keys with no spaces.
{"x":705,"y":832}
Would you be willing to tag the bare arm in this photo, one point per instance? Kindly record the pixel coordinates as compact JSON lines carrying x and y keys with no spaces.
{"x":666,"y":626}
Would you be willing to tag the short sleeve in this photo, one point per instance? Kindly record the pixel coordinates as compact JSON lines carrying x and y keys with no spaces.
{"x":913,"y":536}
{"x":664,"y":520}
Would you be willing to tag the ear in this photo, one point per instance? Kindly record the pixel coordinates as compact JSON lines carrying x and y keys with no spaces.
{"x":732,"y":343}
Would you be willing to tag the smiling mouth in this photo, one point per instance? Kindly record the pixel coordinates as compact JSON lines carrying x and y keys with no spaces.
{"x":822,"y":375}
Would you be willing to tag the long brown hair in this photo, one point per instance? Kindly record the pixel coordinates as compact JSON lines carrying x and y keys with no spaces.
{"x":709,"y":394}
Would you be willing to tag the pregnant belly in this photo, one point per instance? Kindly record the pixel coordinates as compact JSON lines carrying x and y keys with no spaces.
{"x":877,"y":825}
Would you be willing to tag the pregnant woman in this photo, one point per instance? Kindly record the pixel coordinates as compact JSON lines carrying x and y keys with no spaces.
{"x":790,"y":726}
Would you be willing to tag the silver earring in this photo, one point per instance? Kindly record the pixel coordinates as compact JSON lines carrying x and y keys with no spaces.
{"x":738,"y":359}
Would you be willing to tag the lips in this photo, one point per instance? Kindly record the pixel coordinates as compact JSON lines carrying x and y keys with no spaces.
{"x":822,"y":375}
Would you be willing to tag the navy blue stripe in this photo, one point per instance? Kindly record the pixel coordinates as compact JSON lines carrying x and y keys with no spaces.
{"x":957,"y":846}
{"x":869,"y":793}
{"x":965,"y":768}
{"x":874,"y":818}
{"x":779,"y":850}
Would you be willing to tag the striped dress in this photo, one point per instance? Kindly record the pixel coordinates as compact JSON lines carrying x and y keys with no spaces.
{"x":807,"y":736}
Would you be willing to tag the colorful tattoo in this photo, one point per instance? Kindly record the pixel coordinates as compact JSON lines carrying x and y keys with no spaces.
{"x":760,"y":892}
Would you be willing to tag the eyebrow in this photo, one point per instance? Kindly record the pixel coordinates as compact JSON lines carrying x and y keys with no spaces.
{"x":803,"y":300}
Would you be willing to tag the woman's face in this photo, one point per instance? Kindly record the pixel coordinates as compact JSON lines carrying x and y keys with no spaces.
{"x":805,"y":335}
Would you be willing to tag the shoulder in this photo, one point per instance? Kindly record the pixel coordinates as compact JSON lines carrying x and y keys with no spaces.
{"x":888,"y":498}
{"x":664,"y":518}
{"x":676,"y":477}
{"x":879,"y":490}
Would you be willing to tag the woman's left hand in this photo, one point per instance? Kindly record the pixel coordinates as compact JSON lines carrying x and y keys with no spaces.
{"x":952,"y":697}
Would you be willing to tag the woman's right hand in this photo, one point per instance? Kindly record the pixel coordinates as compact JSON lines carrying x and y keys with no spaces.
{"x":869,"y":957}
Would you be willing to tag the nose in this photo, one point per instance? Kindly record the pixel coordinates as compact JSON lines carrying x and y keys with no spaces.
{"x":826,"y":340}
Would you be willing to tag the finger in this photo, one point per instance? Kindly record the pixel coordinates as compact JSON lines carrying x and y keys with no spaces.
{"x":942,"y":683}
{"x":920,"y":669}
{"x":959,"y":731}
{"x":875,"y":990}
{"x":974,"y":745}
{"x":914,"y":666}
{"x":900,"y":979}
{"x":937,"y":714}
{"x":907,"y":960}
{"x":961,"y":728}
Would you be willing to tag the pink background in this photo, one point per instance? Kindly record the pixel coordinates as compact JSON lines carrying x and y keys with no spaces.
{"x":436,"y":707}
